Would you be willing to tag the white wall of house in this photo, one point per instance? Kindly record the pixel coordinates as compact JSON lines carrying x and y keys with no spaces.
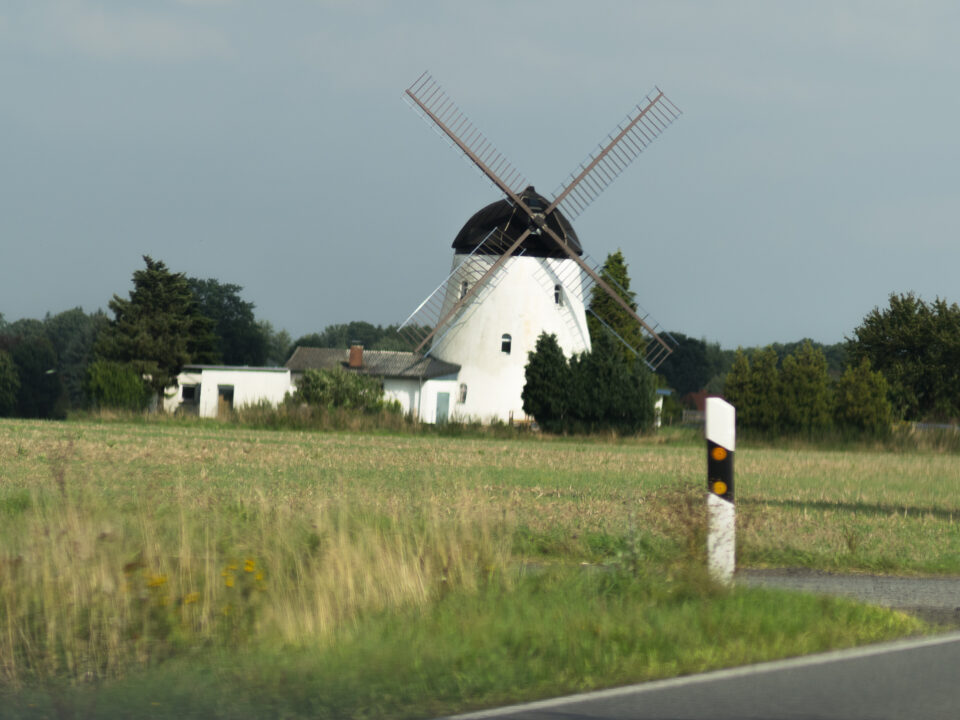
{"x":521,"y":302}
{"x":241,"y":385}
{"x":421,"y":397}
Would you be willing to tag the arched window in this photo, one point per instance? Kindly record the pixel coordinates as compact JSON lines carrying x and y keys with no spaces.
{"x":558,"y":294}
{"x":505,"y":343}
{"x":462,"y":398}
{"x":463,"y":289}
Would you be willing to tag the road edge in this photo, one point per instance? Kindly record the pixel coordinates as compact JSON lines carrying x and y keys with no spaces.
{"x":717,"y":675}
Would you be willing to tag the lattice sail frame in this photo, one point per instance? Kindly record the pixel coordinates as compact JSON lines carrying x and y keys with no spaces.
{"x":641,"y":126}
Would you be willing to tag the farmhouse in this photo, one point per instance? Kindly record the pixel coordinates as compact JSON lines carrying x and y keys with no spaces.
{"x":209,"y":390}
{"x":424,"y":386}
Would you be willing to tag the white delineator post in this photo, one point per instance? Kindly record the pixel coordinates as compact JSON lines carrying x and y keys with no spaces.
{"x":721,"y":517}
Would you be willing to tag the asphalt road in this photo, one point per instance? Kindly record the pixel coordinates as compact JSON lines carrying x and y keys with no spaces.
{"x":935,"y":599}
{"x":914,"y":679}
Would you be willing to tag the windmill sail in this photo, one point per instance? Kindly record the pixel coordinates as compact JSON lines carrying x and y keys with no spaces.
{"x":622,"y":146}
{"x":429,"y":99}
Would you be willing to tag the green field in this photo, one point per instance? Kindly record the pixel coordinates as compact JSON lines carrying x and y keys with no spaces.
{"x":197,"y":569}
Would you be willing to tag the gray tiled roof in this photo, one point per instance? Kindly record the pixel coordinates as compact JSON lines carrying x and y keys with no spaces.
{"x":382,"y":363}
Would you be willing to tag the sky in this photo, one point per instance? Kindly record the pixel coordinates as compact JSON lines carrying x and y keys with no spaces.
{"x":815,"y":169}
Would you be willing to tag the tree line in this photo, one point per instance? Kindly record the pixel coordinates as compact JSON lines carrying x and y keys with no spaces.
{"x":79,"y":360}
{"x":901,"y":363}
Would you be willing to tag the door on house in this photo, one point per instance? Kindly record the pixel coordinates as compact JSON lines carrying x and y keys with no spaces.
{"x":224,"y":400}
{"x":443,"y":407}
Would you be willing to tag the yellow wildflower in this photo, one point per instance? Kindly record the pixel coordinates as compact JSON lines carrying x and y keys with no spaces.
{"x":156,"y":581}
{"x":249,"y":565}
{"x":191,"y":597}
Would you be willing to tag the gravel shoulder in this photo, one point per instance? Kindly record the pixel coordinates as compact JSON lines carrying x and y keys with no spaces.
{"x":934,"y":599}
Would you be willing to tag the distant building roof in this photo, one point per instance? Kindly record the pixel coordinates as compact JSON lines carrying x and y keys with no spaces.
{"x":382,"y":363}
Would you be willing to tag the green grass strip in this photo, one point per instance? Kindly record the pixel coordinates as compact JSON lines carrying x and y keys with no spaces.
{"x":547,"y":633}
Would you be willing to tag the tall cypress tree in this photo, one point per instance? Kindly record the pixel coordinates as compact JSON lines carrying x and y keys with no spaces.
{"x":604,"y":308}
{"x":546,"y":392}
{"x":806,"y":401}
{"x":158,"y":330}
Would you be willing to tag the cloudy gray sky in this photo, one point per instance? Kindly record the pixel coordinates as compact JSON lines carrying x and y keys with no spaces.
{"x":815,"y":170}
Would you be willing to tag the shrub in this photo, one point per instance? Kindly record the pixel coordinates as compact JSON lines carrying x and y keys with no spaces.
{"x":592,"y":392}
{"x":338,"y":388}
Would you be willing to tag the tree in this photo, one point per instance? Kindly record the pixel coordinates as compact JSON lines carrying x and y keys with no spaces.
{"x":806,"y":402}
{"x":836,"y":355}
{"x":692,"y":364}
{"x":116,"y":385}
{"x":158,"y":330}
{"x":591,"y":392}
{"x":737,"y":389}
{"x":861,"y":400}
{"x":765,"y":388}
{"x":240,"y":339}
{"x":73,"y":334}
{"x":608,"y":392}
{"x":916,"y":346}
{"x":373,"y":337}
{"x":605,"y":314}
{"x":547,"y":384}
{"x":41,"y":393}
{"x":279,"y":343}
{"x":753,"y":387}
{"x":9,"y":384}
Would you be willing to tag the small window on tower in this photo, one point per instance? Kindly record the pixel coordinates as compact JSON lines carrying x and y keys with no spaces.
{"x":558,"y":294}
{"x":505,"y":343}
{"x":462,"y":398}
{"x":463,"y":289}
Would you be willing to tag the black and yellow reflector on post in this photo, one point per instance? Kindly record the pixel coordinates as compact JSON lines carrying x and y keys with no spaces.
{"x":720,"y":470}
{"x":721,"y":517}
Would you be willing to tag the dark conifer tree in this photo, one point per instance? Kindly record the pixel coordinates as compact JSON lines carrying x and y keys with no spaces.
{"x":158,"y":330}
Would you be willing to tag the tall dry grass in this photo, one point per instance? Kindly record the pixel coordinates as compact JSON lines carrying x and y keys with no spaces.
{"x":88,"y":590}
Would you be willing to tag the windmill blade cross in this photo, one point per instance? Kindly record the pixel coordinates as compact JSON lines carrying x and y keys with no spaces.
{"x":641,"y":127}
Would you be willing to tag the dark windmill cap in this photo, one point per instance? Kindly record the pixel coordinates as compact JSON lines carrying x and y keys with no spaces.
{"x":512,"y":222}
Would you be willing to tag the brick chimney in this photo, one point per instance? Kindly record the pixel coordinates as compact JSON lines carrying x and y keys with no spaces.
{"x":356,"y":356}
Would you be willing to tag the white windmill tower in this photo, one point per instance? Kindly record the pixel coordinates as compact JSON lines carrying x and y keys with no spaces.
{"x":518,"y":266}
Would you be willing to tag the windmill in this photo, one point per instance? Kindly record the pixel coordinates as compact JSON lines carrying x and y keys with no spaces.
{"x":518,"y":267}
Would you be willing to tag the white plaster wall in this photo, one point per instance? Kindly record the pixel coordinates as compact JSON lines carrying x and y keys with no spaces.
{"x":406,"y":391}
{"x":428,"y":398}
{"x":520,"y":302}
{"x":250,"y":386}
{"x":420,"y":398}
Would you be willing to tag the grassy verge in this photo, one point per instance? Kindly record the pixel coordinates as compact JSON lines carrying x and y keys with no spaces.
{"x":205,"y":571}
{"x":543,"y":635}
